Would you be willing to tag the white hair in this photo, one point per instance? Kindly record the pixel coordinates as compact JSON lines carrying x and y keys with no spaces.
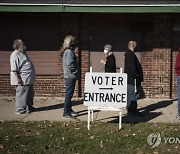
{"x":68,"y":41}
{"x":17,"y":44}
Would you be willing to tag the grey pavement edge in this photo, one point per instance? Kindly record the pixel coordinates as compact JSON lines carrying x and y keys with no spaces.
{"x":51,"y":109}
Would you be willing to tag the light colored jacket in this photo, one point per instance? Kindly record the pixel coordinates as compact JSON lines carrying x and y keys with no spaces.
{"x":70,"y":64}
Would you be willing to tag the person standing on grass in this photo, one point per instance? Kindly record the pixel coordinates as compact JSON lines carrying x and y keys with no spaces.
{"x":71,"y":73}
{"x":177,"y":69}
{"x":134,"y":72}
{"x":110,"y":61}
{"x":22,"y":77}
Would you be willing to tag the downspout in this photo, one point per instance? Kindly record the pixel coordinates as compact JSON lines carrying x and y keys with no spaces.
{"x":79,"y":57}
{"x":171,"y":61}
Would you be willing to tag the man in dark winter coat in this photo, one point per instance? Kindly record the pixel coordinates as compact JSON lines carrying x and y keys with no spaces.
{"x":134,"y":72}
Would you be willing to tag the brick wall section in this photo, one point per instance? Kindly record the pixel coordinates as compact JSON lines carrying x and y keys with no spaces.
{"x":156,"y":66}
{"x":161,"y":73}
{"x":84,"y":29}
{"x":85,"y":68}
{"x":157,"y":73}
{"x":44,"y":86}
{"x":5,"y":88}
{"x":48,"y":86}
{"x":157,"y":63}
{"x":147,"y":65}
{"x":174,"y":81}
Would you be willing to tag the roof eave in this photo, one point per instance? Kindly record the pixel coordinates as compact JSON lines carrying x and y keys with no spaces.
{"x":95,"y":8}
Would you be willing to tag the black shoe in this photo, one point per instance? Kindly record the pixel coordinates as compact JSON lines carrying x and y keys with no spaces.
{"x":130,"y":113}
{"x":31,"y":110}
{"x":135,"y":114}
{"x":138,"y":114}
{"x":69,"y":116}
{"x":73,"y":113}
{"x":22,"y":112}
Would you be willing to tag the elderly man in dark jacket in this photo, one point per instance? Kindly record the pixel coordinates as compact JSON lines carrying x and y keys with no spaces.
{"x":134,"y":72}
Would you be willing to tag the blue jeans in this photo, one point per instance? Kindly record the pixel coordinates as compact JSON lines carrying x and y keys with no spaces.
{"x":70,"y":86}
{"x":178,"y":93}
{"x":131,"y":98}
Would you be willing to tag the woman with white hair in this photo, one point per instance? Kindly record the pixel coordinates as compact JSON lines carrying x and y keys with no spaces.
{"x":110,"y":61}
{"x":70,"y":67}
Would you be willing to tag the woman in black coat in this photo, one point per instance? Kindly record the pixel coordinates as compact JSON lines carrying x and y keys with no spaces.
{"x":110,"y":61}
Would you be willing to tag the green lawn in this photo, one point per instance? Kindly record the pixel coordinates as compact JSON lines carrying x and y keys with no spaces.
{"x":63,"y":137}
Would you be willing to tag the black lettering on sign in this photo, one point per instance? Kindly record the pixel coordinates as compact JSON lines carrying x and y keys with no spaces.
{"x":107,"y":79}
{"x":120,"y":81}
{"x":91,"y":96}
{"x":94,"y":79}
{"x":101,"y":97}
{"x":105,"y":97}
{"x":123,"y":98}
{"x":118,"y":100}
{"x":112,"y":97}
{"x":100,"y":80}
{"x":113,"y":80}
{"x":96,"y":96}
{"x":86,"y":97}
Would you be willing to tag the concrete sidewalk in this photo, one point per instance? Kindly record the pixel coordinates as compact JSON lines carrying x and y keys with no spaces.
{"x":48,"y":108}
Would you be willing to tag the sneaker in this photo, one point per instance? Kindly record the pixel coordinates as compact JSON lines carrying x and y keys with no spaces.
{"x":31,"y":110}
{"x":178,"y":116}
{"x":69,"y":116}
{"x":73,"y":113}
{"x":22,"y":112}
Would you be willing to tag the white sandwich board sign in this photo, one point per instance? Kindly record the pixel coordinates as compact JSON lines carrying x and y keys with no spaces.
{"x":105,"y":91}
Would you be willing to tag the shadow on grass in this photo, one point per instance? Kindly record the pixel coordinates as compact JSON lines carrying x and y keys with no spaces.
{"x":147,"y":113}
{"x":57,"y":106}
{"x":84,"y":112}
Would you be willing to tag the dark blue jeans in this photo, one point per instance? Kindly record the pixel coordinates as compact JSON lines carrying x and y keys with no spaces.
{"x":178,"y":93}
{"x":131,"y":98}
{"x":70,"y":86}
